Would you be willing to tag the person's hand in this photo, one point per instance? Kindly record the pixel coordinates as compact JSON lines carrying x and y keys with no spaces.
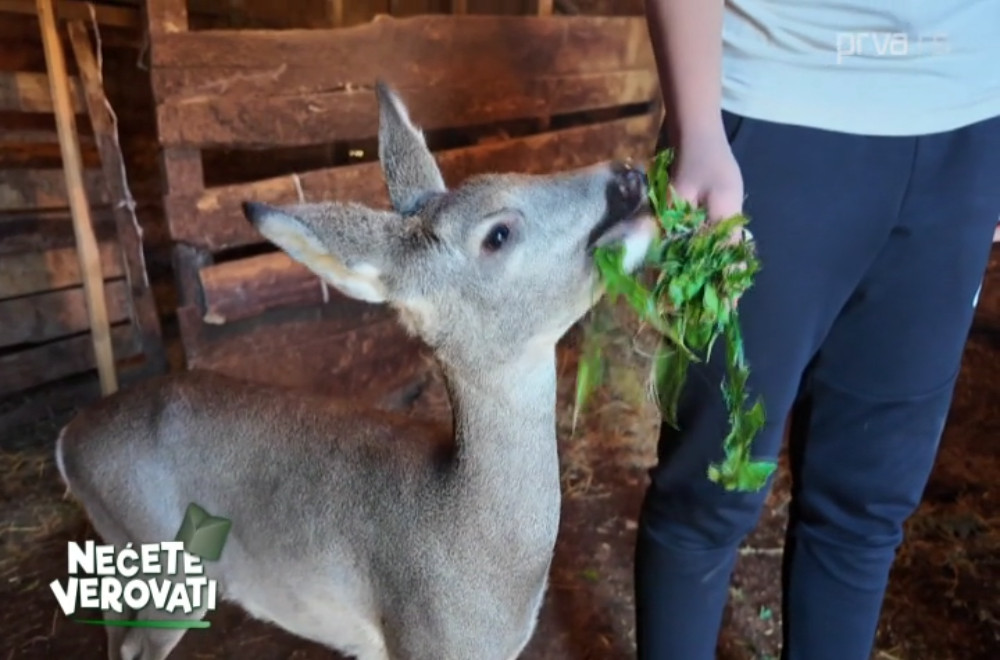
{"x":707,"y":175}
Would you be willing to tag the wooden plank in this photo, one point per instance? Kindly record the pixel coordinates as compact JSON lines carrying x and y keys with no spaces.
{"x":36,"y":366}
{"x":426,"y":50}
{"x":165,"y":17}
{"x":45,"y":189}
{"x":271,"y":120}
{"x":20,"y":127}
{"x":300,"y":348}
{"x":86,"y":242}
{"x":35,"y":272}
{"x":181,"y":170}
{"x":34,"y":230}
{"x":46,"y":316}
{"x":40,"y":154}
{"x":243,"y":288}
{"x":213,"y":220}
{"x":105,"y":126}
{"x":24,"y":54}
{"x":30,"y":92}
{"x":122,"y":17}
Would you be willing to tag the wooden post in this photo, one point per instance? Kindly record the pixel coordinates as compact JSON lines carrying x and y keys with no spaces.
{"x":460,"y":6}
{"x":335,"y":12}
{"x":143,"y":306}
{"x":90,"y":260}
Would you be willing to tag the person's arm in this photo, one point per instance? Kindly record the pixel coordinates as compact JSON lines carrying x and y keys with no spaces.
{"x":687,"y":41}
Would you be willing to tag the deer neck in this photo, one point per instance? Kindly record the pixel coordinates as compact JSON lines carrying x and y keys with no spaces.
{"x":507,"y":463}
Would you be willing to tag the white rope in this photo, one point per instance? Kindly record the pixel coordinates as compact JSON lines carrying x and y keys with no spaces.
{"x":128,"y":201}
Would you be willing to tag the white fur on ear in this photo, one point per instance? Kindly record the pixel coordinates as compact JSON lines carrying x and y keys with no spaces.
{"x":360,"y":281}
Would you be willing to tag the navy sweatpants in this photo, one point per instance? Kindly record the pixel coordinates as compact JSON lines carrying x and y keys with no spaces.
{"x":872,"y":250}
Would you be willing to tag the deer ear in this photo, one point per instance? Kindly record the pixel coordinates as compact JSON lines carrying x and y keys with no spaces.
{"x":338,"y":242}
{"x":410,"y":170}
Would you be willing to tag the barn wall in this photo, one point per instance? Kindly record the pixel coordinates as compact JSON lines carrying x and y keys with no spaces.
{"x":287,"y":114}
{"x":44,"y":328}
{"x":197,"y":140}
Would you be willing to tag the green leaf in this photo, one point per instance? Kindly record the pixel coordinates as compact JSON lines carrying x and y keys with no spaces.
{"x":698,"y":274}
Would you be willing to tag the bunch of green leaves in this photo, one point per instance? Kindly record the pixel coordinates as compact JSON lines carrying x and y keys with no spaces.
{"x":700,"y":272}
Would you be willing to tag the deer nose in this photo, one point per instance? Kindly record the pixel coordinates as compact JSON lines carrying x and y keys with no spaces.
{"x":627,"y":189}
{"x":631,"y":182}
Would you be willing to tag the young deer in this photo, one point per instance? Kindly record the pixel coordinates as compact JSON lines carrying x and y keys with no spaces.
{"x":377,"y":535}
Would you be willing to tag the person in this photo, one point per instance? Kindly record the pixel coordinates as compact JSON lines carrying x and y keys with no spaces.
{"x":862,"y":140}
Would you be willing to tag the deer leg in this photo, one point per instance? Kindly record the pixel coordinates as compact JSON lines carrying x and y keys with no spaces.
{"x":112,"y":533}
{"x":157,"y":643}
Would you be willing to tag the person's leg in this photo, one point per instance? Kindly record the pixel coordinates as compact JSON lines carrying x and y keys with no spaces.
{"x":880,"y":393}
{"x":821,"y":205}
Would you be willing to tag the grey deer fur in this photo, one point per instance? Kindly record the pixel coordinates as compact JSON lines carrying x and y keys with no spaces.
{"x":371,"y":533}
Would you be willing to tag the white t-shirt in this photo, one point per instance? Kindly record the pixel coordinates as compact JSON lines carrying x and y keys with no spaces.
{"x":877,"y":67}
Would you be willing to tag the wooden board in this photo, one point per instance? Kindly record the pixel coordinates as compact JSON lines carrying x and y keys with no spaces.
{"x":424,"y":50}
{"x":122,"y":17}
{"x":45,"y":189}
{"x":453,"y":71}
{"x":29,"y":92}
{"x":213,"y":219}
{"x":247,"y":287}
{"x":36,"y":272}
{"x":316,"y":354}
{"x":296,"y":120}
{"x":59,"y":359}
{"x":47,"y":316}
{"x":34,"y":230}
{"x":41,"y":154}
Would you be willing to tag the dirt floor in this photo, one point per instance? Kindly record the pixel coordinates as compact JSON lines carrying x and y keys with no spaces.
{"x":943,"y":602}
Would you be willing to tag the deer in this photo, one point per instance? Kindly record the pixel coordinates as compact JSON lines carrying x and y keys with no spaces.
{"x":371,"y":532}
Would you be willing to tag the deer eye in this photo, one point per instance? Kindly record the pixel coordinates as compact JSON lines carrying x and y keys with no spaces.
{"x":496,"y":238}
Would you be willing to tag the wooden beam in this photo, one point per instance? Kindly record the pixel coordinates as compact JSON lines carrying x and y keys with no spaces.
{"x":45,"y":189}
{"x":305,"y":349}
{"x":39,"y":230}
{"x":30,"y":154}
{"x":90,"y":264}
{"x":426,"y":47}
{"x":213,"y":220}
{"x":35,"y":272}
{"x":47,"y":316}
{"x":316,"y":118}
{"x":121,"y":17}
{"x":244,"y":288}
{"x":59,"y":359}
{"x":31,"y":92}
{"x":165,"y":17}
{"x":105,"y":126}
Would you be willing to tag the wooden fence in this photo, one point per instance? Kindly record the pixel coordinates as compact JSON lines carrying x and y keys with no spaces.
{"x":290,"y":114}
{"x":44,"y":325}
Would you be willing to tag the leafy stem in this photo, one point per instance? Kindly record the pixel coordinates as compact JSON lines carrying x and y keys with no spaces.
{"x":700,"y":271}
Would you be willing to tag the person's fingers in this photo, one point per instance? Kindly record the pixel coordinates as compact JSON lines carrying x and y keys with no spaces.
{"x":722,"y":204}
{"x":689,"y":192}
